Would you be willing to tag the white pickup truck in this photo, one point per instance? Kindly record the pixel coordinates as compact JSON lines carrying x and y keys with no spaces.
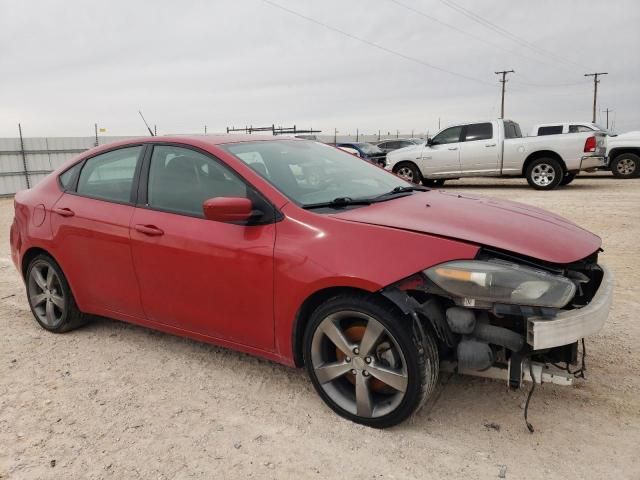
{"x":496,"y":149}
{"x":623,"y":151}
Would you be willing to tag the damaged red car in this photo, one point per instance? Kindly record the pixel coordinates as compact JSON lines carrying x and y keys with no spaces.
{"x":300,"y":253}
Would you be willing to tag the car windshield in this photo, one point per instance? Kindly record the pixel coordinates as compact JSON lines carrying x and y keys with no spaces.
{"x":369,"y":149}
{"x":311,"y":172}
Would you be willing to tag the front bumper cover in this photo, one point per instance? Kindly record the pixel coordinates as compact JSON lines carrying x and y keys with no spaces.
{"x":569,"y":326}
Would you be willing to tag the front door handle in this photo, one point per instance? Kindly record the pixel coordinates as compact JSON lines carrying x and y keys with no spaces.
{"x":453,"y":148}
{"x":65,"y":212}
{"x":490,"y":145}
{"x":149,"y":230}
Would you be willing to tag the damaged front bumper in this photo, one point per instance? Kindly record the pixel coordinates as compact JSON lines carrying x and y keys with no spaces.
{"x":569,"y":326}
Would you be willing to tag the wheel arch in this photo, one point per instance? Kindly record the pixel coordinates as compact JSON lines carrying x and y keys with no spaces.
{"x":312,"y":302}
{"x":543,"y":154}
{"x":620,"y":150}
{"x":30,"y":254}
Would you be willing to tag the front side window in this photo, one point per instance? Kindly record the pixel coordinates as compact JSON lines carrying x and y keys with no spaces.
{"x":109,"y":176}
{"x":181,"y":179}
{"x":478,"y":131}
{"x":311,"y":172}
{"x":512,"y":130}
{"x":579,"y":129}
{"x":450,"y":135}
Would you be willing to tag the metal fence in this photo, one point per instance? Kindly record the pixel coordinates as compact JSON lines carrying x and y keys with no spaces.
{"x":24,"y":162}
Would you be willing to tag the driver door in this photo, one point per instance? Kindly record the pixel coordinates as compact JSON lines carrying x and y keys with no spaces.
{"x":198,"y":275}
{"x":442,"y":156}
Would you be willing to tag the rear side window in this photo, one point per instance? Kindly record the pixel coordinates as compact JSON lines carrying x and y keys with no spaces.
{"x":109,"y":176}
{"x":450,"y":135}
{"x":550,"y":130}
{"x":181,"y":179}
{"x":67,"y":179}
{"x":478,"y":131}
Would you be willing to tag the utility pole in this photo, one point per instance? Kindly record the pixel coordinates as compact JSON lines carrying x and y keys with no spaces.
{"x":335,"y":136}
{"x":503,"y":81}
{"x":95,"y":126}
{"x":595,"y":76}
{"x":607,"y":112}
{"x":24,"y":158}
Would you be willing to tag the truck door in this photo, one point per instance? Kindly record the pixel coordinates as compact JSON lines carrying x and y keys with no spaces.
{"x":442,"y":156}
{"x":479,"y":150}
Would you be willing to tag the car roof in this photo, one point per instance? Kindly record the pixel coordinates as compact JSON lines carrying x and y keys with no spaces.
{"x":202,"y":139}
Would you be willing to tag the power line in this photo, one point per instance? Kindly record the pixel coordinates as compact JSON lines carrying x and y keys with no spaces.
{"x":469,"y":34}
{"x":595,"y":76}
{"x":501,"y":31}
{"x":375,"y":45}
{"x":503,"y":81}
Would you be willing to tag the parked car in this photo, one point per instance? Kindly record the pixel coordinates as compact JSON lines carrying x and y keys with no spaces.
{"x":264,"y":245}
{"x":623,"y":150}
{"x":367,"y":151}
{"x":496,"y":149}
{"x":390,"y":145}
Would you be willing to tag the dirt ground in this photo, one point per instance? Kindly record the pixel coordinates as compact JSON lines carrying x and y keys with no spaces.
{"x":113,"y":400}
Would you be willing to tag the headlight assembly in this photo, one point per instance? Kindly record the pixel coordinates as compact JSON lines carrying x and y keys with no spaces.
{"x":498,"y":282}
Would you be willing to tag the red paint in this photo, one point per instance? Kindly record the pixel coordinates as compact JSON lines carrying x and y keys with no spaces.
{"x":242,"y":286}
{"x":230,"y":209}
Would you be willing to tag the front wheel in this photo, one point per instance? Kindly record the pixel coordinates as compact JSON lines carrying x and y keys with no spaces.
{"x":626,"y":165}
{"x":409,"y":171}
{"x":544,"y":173}
{"x":365,"y":361}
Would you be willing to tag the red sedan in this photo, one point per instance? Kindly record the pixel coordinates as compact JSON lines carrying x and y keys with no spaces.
{"x":303,"y":254}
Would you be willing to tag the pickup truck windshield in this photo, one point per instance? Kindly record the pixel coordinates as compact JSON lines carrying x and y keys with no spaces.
{"x":311,"y":172}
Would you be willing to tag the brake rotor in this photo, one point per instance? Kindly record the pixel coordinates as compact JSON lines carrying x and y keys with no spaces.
{"x":355,"y":334}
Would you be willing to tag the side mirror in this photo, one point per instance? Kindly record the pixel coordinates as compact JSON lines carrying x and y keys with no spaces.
{"x":429,"y":142}
{"x":227,"y":209}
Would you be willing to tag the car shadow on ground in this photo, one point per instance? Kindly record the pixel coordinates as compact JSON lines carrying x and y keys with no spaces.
{"x":511,"y":186}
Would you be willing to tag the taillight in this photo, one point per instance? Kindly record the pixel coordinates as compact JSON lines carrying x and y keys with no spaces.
{"x":590,"y":144}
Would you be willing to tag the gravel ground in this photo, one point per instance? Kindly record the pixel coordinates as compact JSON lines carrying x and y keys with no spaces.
{"x":113,"y":400}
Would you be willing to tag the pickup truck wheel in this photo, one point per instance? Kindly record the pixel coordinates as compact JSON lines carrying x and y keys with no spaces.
{"x":626,"y":165}
{"x":544,"y":174}
{"x":366,"y":361}
{"x":409,"y":171}
{"x":567,"y":179}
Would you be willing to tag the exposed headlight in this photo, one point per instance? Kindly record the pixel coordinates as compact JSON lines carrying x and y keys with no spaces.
{"x":502,"y":283}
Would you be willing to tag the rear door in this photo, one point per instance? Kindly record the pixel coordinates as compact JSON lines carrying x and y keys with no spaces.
{"x":479,"y":152}
{"x":90,"y":224}
{"x":199,"y":275}
{"x":442,"y":157}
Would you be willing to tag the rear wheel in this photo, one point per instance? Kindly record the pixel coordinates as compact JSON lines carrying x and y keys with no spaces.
{"x":50,"y":297}
{"x":409,"y":171}
{"x":365,"y":361}
{"x":544,"y":173}
{"x":626,"y":165}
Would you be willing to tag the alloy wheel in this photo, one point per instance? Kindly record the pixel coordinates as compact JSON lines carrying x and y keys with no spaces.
{"x":46,"y":294}
{"x":359,"y":364}
{"x":626,"y":166}
{"x":543,"y":174}
{"x":406,"y":173}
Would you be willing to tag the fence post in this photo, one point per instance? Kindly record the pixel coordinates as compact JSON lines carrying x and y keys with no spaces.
{"x":24,"y":158}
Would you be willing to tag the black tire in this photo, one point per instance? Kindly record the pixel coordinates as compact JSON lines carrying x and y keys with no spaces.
{"x":544,"y":173}
{"x":567,"y":179}
{"x":57,"y":293}
{"x":419,"y":361}
{"x":427,"y":182}
{"x":409,"y":171}
{"x":626,"y":165}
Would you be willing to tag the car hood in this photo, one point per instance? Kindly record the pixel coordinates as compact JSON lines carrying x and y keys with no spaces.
{"x":501,"y":224}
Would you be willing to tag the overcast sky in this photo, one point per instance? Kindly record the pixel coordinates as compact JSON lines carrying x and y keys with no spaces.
{"x":67,"y":64}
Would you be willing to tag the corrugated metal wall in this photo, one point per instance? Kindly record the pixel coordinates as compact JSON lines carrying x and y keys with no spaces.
{"x":42,"y":156}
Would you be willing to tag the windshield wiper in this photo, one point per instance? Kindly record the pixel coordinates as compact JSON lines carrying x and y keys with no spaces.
{"x":399,"y":190}
{"x":339,"y":202}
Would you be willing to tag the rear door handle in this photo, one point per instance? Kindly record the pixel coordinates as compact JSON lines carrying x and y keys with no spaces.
{"x":490,"y":145}
{"x":65,"y":212}
{"x":453,"y":148}
{"x":149,"y":230}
